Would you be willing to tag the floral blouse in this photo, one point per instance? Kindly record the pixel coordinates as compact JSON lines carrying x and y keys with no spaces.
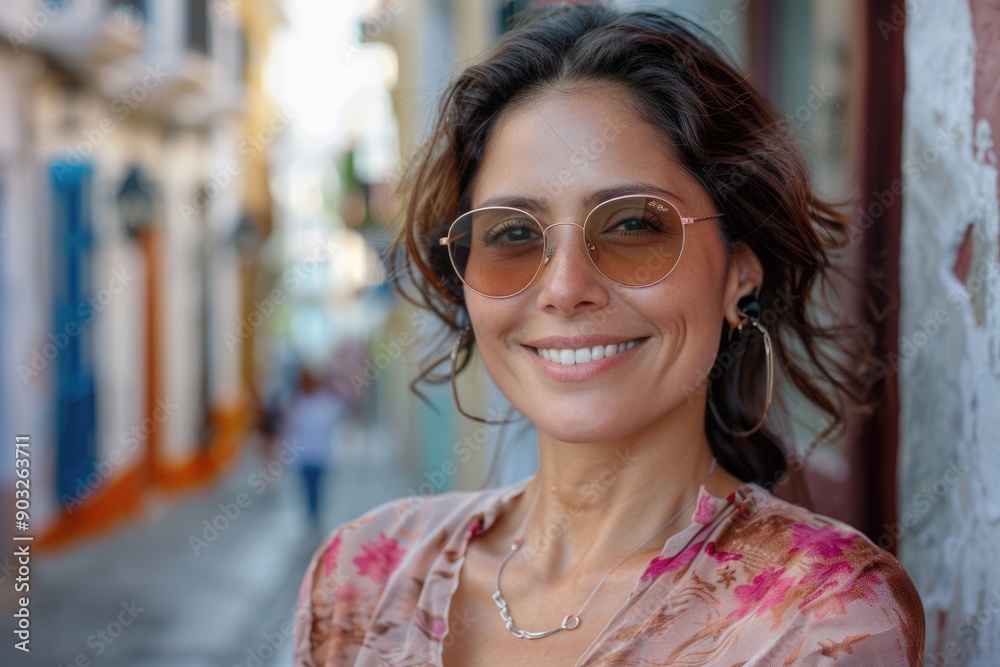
{"x":753,"y":581}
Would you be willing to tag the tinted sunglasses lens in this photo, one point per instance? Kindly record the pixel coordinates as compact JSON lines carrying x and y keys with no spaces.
{"x":635,"y":241}
{"x":496,"y":251}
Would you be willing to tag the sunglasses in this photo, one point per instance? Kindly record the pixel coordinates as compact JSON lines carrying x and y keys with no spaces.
{"x":634,"y":241}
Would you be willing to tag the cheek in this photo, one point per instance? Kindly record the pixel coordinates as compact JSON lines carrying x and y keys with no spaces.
{"x":491,"y":320}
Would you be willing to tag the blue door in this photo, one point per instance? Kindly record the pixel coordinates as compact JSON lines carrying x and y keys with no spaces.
{"x":72,"y":326}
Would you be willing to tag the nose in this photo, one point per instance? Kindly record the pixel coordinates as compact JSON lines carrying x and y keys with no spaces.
{"x":568,"y":280}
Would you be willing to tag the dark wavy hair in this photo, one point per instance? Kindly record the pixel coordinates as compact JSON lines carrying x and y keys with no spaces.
{"x":727,"y":136}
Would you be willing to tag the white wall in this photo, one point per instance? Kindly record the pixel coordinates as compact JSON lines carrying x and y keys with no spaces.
{"x":26,"y":262}
{"x":950,"y":361}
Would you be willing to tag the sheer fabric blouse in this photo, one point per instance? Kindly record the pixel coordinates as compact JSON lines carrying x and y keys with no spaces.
{"x":753,"y":581}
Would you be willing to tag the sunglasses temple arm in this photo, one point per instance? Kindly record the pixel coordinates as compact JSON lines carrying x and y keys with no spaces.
{"x":688,"y":221}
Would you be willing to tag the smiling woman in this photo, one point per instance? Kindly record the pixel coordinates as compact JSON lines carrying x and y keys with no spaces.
{"x":570,"y":219}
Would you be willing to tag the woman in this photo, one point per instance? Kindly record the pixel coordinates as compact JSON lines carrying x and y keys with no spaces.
{"x":642,"y":349}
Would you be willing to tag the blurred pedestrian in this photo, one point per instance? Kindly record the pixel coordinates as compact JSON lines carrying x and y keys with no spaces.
{"x":311,"y":421}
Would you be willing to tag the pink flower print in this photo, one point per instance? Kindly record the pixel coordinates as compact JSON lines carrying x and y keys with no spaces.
{"x":863,"y":588}
{"x":825,"y":542}
{"x":822,"y":574}
{"x":706,"y":509}
{"x":439,"y":627}
{"x":379,"y":558}
{"x":659,"y":566}
{"x":331,"y":556}
{"x":349,"y":593}
{"x":766,"y":592}
{"x":433,"y":627}
{"x":721,"y":556}
{"x":823,"y":578}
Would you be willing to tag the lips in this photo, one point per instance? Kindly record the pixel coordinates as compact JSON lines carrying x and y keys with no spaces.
{"x":584,"y":355}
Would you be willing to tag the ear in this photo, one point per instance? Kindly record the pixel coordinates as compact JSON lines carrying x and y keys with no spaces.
{"x":745,"y":273}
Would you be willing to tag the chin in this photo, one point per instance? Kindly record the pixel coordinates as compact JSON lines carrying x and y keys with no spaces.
{"x":584,"y":424}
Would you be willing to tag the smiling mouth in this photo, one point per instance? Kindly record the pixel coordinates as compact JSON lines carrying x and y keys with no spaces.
{"x":584,"y":355}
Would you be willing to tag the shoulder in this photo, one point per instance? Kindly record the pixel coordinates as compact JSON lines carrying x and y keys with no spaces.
{"x":800,"y":538}
{"x":825,"y":575}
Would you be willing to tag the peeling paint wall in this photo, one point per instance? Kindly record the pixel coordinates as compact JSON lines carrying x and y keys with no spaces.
{"x":949,"y":347}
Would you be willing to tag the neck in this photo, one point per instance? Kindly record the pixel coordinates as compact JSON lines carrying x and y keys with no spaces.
{"x":597,"y":501}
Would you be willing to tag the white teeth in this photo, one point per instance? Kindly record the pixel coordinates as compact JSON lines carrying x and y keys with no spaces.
{"x":584,"y":355}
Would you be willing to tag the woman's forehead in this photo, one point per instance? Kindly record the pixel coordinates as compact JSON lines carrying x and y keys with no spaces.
{"x":569,"y":145}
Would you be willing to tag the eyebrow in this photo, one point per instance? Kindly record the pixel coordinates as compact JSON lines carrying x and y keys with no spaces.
{"x":530,"y":204}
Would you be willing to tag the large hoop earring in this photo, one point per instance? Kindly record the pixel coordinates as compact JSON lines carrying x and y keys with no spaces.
{"x":454,"y":387}
{"x":750,"y":309}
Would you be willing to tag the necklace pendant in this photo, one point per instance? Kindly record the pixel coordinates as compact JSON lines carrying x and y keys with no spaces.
{"x":570,"y":622}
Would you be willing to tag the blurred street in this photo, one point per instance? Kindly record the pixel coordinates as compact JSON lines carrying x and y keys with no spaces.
{"x":229,"y":604}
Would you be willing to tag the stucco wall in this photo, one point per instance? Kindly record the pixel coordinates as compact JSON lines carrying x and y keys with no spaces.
{"x":949,"y":365}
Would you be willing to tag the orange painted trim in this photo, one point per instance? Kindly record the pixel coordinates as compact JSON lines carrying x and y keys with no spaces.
{"x":229,"y":427}
{"x":121,"y":499}
{"x":110,"y":505}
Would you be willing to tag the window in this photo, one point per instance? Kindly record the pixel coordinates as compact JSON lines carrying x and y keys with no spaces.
{"x":198,"y":26}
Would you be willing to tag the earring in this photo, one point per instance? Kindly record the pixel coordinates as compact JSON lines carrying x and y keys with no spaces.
{"x":454,"y":387}
{"x":750,"y":308}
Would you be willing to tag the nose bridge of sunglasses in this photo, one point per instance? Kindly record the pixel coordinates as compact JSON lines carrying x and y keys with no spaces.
{"x":572,"y":237}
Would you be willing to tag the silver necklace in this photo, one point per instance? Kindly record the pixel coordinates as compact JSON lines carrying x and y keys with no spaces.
{"x":570,"y":621}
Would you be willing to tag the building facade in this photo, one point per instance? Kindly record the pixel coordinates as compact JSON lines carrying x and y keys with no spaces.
{"x":130,"y":135}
